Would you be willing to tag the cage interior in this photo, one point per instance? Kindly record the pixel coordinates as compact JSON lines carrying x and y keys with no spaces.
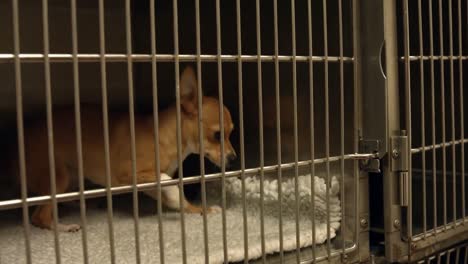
{"x":324,"y":77}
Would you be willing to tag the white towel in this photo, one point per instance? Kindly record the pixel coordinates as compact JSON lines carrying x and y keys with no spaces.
{"x":42,"y":245}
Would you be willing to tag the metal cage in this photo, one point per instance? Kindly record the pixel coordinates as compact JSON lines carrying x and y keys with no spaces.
{"x":365,"y":93}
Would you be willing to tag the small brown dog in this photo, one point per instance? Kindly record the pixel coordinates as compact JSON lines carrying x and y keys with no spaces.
{"x":37,"y":162}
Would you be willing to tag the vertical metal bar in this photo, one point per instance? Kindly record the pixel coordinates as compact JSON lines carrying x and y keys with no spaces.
{"x":260,"y":123}
{"x":312,"y":134}
{"x":442,"y":97}
{"x":105,"y":121}
{"x":154,"y":77}
{"x":79,"y":144}
{"x":200,"y":132}
{"x":241,"y":131}
{"x":278,"y":131}
{"x":50,"y":127}
{"x":452,"y":110}
{"x":179,"y":131}
{"x":462,"y":109}
{"x":433,"y":126}
{"x":131,"y":111}
{"x":457,"y":256}
{"x":20,"y":131}
{"x":356,"y":116}
{"x":327,"y":122}
{"x":296,"y":148}
{"x":423,"y":130}
{"x":408,"y":120}
{"x":221,"y":126}
{"x":466,"y":255}
{"x":342,"y":125}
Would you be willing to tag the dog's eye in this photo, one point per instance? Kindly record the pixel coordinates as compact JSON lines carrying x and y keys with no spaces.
{"x":217,"y":135}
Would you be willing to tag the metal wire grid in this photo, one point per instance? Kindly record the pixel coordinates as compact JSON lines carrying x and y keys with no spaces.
{"x":409,"y":60}
{"x":103,"y":58}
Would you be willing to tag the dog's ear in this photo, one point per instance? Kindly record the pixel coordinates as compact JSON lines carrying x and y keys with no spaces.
{"x":189,"y":91}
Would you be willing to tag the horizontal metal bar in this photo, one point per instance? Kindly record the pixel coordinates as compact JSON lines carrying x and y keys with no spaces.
{"x":334,"y":253}
{"x":437,"y":146}
{"x":426,"y":58}
{"x":118,"y":57}
{"x":360,"y":156}
{"x":71,"y":196}
{"x":449,"y":173}
{"x":459,"y":225}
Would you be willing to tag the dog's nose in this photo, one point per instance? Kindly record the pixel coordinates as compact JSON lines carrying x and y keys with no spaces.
{"x":231,"y":157}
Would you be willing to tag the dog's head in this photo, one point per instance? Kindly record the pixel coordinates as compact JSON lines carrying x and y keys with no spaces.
{"x":210,"y":121}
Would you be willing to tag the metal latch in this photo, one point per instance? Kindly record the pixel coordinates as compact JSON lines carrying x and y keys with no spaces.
{"x":369,"y":162}
{"x":399,"y":163}
{"x":368,"y":155}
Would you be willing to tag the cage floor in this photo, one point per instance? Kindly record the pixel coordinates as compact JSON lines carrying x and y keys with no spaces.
{"x":42,"y":241}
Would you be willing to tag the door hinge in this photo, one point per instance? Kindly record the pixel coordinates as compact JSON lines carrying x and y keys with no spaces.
{"x":399,"y":163}
{"x":371,"y":162}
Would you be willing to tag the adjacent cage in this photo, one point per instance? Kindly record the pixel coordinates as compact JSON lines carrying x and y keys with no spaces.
{"x":424,"y":172}
{"x":287,"y":71}
{"x":434,"y":66}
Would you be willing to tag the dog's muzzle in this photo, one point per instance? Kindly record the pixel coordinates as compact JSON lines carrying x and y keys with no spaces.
{"x":230,"y":158}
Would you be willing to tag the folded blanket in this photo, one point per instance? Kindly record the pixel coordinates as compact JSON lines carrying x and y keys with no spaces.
{"x":42,"y":243}
{"x":270,"y":198}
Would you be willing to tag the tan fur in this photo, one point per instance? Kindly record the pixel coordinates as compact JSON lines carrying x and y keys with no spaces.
{"x":36,"y":143}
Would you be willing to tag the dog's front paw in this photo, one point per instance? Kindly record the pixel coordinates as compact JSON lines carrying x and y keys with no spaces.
{"x":68,"y":228}
{"x":215,"y":209}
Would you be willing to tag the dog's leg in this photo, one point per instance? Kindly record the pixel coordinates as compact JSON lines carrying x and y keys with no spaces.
{"x":170,"y":198}
{"x":42,"y":216}
{"x":169,"y":194}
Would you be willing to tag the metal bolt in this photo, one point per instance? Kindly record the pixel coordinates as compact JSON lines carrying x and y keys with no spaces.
{"x":364,"y":223}
{"x":395,"y":154}
{"x":396,"y":223}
